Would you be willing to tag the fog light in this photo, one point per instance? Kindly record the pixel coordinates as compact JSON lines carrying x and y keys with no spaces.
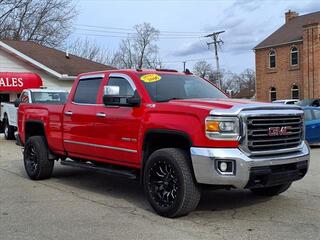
{"x":226,"y":167}
{"x":223,"y":166}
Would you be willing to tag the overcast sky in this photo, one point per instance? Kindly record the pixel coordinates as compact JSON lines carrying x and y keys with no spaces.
{"x":183,"y":24}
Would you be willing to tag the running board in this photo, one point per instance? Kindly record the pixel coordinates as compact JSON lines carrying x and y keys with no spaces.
{"x":101,"y":168}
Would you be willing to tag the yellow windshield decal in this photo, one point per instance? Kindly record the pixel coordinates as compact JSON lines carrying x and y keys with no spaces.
{"x":150,"y":78}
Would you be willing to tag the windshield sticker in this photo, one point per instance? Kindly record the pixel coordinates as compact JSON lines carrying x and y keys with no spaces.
{"x":150,"y":78}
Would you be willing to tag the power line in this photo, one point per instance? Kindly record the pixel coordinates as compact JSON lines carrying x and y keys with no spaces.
{"x":132,"y":30}
{"x":133,"y":33}
{"x":128,"y":35}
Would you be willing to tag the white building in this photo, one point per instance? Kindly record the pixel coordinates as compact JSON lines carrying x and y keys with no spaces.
{"x":56,"y":68}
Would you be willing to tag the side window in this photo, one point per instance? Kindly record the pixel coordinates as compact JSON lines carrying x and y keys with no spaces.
{"x":87,"y":91}
{"x":125,"y":87}
{"x":308,"y":115}
{"x":24,"y":97}
{"x":316,"y":114}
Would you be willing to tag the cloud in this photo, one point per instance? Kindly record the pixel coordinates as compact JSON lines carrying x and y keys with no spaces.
{"x":191,"y":49}
{"x":307,"y":7}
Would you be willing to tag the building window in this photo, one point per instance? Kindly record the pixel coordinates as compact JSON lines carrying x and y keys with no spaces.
{"x":272,"y":59}
{"x":273,"y":94}
{"x":295,"y":92}
{"x":294,"y":56}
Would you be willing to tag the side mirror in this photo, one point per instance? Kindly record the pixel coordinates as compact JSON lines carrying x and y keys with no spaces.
{"x":112,"y":98}
{"x":17,"y":102}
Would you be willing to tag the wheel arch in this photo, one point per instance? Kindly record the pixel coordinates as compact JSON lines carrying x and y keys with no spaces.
{"x":156,"y":139}
{"x":34,"y":128}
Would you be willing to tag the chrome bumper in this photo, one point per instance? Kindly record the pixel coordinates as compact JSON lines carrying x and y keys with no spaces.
{"x":204,"y":164}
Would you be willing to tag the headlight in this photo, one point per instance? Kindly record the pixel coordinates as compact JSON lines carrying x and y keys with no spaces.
{"x":222,"y":128}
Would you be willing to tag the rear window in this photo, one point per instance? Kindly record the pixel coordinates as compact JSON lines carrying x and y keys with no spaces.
{"x":87,"y":91}
{"x":49,"y":97}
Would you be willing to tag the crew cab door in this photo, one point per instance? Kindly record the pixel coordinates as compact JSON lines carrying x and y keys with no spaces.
{"x":80,"y":117}
{"x":118,"y":126}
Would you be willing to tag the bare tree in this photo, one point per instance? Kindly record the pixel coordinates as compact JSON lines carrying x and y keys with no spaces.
{"x":139,"y":50}
{"x":202,"y":69}
{"x":47,"y":22}
{"x":243,"y":82}
{"x":91,"y":50}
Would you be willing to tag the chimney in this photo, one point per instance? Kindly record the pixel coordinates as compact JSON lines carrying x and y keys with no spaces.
{"x":290,"y":15}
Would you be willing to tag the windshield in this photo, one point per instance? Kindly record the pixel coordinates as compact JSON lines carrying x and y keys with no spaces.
{"x":49,"y":97}
{"x":166,"y":87}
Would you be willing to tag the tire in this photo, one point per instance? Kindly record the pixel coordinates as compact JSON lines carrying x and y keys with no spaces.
{"x":169,"y":183}
{"x":271,"y":191}
{"x":8,"y":130}
{"x":35,"y":157}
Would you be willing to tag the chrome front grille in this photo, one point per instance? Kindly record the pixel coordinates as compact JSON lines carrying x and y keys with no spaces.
{"x":273,"y":133}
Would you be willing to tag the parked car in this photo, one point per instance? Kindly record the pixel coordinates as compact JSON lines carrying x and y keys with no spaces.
{"x":9,"y":111}
{"x":287,"y":101}
{"x":312,"y":123}
{"x":175,"y":132}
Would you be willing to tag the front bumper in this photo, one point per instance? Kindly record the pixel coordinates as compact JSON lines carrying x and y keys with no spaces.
{"x":287,"y":167}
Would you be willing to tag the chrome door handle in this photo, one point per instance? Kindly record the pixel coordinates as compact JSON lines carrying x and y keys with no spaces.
{"x":68,"y":113}
{"x":101,"y":115}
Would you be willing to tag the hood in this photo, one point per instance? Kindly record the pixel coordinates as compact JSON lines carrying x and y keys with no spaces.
{"x":231,"y":106}
{"x":210,"y":103}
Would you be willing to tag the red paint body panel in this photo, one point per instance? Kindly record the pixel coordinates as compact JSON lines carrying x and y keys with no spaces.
{"x":17,"y":82}
{"x":118,"y":138}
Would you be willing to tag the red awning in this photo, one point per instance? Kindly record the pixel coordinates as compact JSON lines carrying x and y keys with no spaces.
{"x":17,"y":82}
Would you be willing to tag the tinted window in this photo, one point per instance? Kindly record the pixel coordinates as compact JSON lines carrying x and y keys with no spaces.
{"x":308,"y":115}
{"x":316,"y":114}
{"x":172,"y":86}
{"x":123,"y":84}
{"x":87,"y":90}
{"x":49,"y":97}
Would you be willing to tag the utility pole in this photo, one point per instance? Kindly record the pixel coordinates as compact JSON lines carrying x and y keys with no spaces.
{"x":184,"y":66}
{"x":216,"y":42}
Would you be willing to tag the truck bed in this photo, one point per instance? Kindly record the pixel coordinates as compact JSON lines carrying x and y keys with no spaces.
{"x":51,"y":115}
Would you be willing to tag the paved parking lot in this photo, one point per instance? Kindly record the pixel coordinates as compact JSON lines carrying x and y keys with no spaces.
{"x":75,"y":204}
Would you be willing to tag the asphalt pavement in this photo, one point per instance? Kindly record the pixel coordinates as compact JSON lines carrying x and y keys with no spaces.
{"x":76,"y":204}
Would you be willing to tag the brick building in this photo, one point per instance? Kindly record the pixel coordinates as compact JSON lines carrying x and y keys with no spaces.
{"x":288,"y":61}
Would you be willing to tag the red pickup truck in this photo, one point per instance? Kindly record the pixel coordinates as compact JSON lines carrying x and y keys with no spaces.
{"x":175,"y":132}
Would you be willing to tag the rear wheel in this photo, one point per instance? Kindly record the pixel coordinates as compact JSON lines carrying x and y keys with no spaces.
{"x":271,"y":191}
{"x":36,"y":161}
{"x":169,"y":184}
{"x":8,"y":130}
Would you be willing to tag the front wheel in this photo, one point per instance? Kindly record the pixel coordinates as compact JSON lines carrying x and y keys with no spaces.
{"x":8,"y":130}
{"x":271,"y":191}
{"x":36,"y":160}
{"x":169,"y":183}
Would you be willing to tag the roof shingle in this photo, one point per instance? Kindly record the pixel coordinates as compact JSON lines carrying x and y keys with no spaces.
{"x":56,"y":59}
{"x":291,"y":31}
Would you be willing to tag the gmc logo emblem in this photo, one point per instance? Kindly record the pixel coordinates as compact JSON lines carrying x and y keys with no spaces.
{"x":278,"y":131}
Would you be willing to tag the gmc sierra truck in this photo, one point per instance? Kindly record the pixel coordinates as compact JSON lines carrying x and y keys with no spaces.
{"x":174,"y":132}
